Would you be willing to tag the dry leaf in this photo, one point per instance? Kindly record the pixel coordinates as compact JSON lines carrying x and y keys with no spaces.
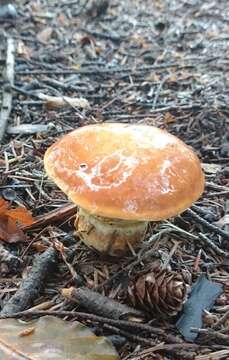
{"x":52,"y":338}
{"x":223,"y":221}
{"x":11,"y":222}
{"x":9,"y":231}
{"x":211,"y":168}
{"x":56,"y":102}
{"x":23,"y":50}
{"x":169,"y":118}
{"x":45,"y":35}
{"x":3,"y":206}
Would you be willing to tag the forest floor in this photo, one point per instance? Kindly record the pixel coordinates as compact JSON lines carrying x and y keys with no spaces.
{"x":162,"y":63}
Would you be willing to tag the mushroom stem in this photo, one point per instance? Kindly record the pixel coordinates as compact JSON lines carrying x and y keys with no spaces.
{"x":109,"y":236}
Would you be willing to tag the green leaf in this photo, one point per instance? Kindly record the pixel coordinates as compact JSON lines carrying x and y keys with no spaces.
{"x":52,"y":338}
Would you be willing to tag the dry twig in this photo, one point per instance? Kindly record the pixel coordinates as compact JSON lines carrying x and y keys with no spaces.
{"x":6,"y":105}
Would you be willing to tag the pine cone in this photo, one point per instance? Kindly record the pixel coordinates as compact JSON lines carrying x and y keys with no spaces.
{"x":160,"y":291}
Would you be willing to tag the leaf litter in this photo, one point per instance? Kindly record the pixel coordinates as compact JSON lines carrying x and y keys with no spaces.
{"x":11,"y":222}
{"x":163,"y":63}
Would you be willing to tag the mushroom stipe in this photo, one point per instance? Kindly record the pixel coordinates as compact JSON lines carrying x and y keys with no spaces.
{"x":109,"y":236}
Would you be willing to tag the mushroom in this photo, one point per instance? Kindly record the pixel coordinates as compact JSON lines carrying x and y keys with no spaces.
{"x":123,"y":176}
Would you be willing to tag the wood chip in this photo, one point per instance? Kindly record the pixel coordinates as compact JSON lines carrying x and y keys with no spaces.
{"x":58,"y":102}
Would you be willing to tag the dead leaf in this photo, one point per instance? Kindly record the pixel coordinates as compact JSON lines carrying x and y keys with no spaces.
{"x":3,"y":206}
{"x":9,"y":231}
{"x":223,"y":221}
{"x":59,"y":102}
{"x":12,"y":221}
{"x":169,"y":118}
{"x":21,"y":215}
{"x":211,"y":168}
{"x":23,"y":50}
{"x":45,"y":35}
{"x":52,"y":338}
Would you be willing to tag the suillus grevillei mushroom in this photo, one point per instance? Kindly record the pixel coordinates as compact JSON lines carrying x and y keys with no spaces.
{"x":123,"y":176}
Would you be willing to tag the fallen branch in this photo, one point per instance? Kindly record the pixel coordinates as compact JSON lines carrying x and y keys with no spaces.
{"x":101,"y":305}
{"x":59,"y":214}
{"x":7,"y":92}
{"x":31,"y":286}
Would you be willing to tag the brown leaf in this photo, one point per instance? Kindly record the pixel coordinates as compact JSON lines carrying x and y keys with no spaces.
{"x":3,"y":206}
{"x":9,"y":231}
{"x":11,"y":222}
{"x":169,"y":118}
{"x":21,"y":215}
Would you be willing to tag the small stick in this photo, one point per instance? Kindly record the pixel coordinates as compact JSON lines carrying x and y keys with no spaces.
{"x":197,"y":261}
{"x":96,"y":71}
{"x":206,"y":224}
{"x":7,"y":92}
{"x":209,"y":333}
{"x":221,"y":320}
{"x":212,"y":245}
{"x":216,"y":355}
{"x":31,"y":286}
{"x":101,"y":305}
{"x":29,"y":129}
{"x":134,"y":338}
{"x":55,"y":215}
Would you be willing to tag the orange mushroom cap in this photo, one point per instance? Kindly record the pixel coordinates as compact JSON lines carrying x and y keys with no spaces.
{"x":126,"y":171}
